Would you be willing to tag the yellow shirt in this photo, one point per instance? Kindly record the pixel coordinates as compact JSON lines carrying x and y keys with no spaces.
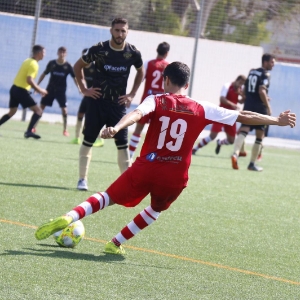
{"x":29,"y":67}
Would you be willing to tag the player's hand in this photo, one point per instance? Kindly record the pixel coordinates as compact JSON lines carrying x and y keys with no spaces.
{"x":108,"y":133}
{"x":92,"y":92}
{"x":287,"y":118}
{"x":43,"y":92}
{"x":125,"y":99}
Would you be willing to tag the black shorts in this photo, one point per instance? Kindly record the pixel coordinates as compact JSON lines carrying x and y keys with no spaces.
{"x":58,"y":94}
{"x":258,"y":108}
{"x":102,"y":112}
{"x":20,"y":96}
{"x":83,"y":106}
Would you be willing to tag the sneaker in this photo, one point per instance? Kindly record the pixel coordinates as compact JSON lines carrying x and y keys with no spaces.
{"x":66,"y":133}
{"x":234,"y":162}
{"x":243,"y":154}
{"x":47,"y":229}
{"x":253,"y":167}
{"x":29,"y":134}
{"x":111,"y":248}
{"x":76,"y":141}
{"x":99,"y":143}
{"x":218,"y":147}
{"x":194,"y":151}
{"x":33,"y":130}
{"x":82,"y":185}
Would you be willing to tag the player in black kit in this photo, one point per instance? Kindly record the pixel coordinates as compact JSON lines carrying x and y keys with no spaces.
{"x":107,"y":99}
{"x":59,"y":69}
{"x":257,"y":100}
{"x":89,"y":72}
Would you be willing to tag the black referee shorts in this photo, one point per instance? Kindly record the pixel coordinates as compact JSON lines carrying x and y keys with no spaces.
{"x":101,"y":112}
{"x":21,"y":96}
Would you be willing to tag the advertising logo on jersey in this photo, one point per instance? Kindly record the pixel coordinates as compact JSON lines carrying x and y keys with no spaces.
{"x":115,"y":69}
{"x":151,"y":156}
{"x":266,"y":81}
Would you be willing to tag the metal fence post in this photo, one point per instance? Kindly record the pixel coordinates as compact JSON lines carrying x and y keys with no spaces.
{"x":197,"y":36}
{"x":34,"y":33}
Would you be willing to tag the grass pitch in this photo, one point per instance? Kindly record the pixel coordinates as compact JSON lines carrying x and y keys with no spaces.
{"x":231,"y":234}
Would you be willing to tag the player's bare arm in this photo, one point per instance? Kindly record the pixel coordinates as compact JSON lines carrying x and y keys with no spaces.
{"x":286,"y":118}
{"x":78,"y":70}
{"x":41,"y":78}
{"x":126,"y":121}
{"x":225,"y":101}
{"x":37,"y":88}
{"x":127,"y":99}
{"x":265,"y":98}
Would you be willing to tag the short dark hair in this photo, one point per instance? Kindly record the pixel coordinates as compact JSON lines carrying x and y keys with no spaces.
{"x":163,"y":48}
{"x":119,"y":21}
{"x":267,"y":57}
{"x":241,"y":77}
{"x":62,"y":49}
{"x":178,"y":73}
{"x":37,"y":48}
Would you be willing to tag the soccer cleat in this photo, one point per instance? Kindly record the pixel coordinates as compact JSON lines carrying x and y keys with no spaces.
{"x":234,"y":162}
{"x":218,"y":147}
{"x":66,"y":133}
{"x":253,"y":167}
{"x":47,"y":229}
{"x":99,"y":143}
{"x":29,"y":134}
{"x":111,"y":248}
{"x":243,"y":154}
{"x":194,"y":151}
{"x":76,"y":141}
{"x":82,"y":185}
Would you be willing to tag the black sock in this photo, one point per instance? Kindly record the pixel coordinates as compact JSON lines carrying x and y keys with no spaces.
{"x":4,"y":119}
{"x":65,"y":121}
{"x":35,"y":117}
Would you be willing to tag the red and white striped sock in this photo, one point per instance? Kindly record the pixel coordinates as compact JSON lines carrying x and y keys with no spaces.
{"x":134,"y":142}
{"x":93,"y":204}
{"x":203,"y":142}
{"x":223,"y":142}
{"x":141,"y":221}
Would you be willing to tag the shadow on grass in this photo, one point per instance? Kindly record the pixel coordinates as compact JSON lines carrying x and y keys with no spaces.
{"x":65,"y":254}
{"x":37,"y":186}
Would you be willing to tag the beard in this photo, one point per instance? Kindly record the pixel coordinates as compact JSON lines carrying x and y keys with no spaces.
{"x":118,"y":41}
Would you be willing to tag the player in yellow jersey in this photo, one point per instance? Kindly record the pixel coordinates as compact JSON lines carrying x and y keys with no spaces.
{"x":19,"y":92}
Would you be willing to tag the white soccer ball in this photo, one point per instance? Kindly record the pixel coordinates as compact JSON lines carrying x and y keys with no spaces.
{"x":71,"y":235}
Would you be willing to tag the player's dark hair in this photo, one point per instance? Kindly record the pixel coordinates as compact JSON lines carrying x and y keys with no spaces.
{"x":163,"y":48}
{"x":62,"y":49}
{"x":267,"y":57}
{"x":36,"y":49}
{"x":119,"y":21}
{"x":241,"y":77}
{"x":178,"y":73}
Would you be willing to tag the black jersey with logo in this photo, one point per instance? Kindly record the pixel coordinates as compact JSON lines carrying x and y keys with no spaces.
{"x":112,"y":67}
{"x":89,"y":74}
{"x":256,"y":78}
{"x":58,"y":74}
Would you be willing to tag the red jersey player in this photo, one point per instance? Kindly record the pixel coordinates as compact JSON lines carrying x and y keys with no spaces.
{"x":229,"y":98}
{"x":153,"y":86}
{"x":162,"y":168}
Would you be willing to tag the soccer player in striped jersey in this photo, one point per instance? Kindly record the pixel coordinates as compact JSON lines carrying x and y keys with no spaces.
{"x":161,"y":170}
{"x":153,"y":86}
